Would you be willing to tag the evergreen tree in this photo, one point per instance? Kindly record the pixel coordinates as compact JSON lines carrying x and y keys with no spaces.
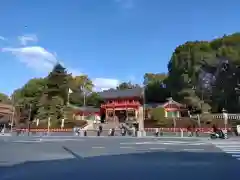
{"x":57,"y":83}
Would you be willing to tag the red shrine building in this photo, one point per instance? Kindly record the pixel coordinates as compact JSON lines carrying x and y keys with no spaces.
{"x":122,"y":105}
{"x":127,"y":105}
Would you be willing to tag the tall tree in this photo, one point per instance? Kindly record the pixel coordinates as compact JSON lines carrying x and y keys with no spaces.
{"x":196,"y":74}
{"x":57,"y":83}
{"x":27,"y":98}
{"x":81,"y":86}
{"x":127,"y":85}
{"x":4,"y":99}
{"x":155,"y":86}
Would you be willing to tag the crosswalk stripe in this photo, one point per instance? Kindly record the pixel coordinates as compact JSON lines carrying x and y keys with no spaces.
{"x":165,"y":143}
{"x":229,"y":147}
{"x":231,"y":152}
{"x":236,"y":155}
{"x":235,"y":146}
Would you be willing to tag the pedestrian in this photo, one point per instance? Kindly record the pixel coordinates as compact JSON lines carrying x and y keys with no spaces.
{"x":100,"y":128}
{"x":156,"y":132}
{"x":113,"y":132}
{"x":123,"y":131}
{"x":197,"y":132}
{"x":110,"y":132}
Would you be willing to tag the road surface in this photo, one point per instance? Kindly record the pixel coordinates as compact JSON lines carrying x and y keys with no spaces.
{"x":118,"y":158}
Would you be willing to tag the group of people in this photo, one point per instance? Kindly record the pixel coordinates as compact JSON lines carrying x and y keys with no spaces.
{"x":131,"y":131}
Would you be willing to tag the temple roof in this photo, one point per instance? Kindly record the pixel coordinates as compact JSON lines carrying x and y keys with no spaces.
{"x":113,"y":94}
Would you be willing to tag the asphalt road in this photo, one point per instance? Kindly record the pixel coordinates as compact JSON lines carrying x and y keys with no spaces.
{"x":116,"y":158}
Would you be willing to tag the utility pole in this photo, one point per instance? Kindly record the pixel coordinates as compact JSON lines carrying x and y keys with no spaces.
{"x":29,"y":118}
{"x":84,"y":97}
{"x":13,"y":113}
{"x":84,"y":94}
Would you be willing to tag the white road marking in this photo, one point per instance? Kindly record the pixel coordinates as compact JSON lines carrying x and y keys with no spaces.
{"x":55,"y":140}
{"x":232,"y":152}
{"x":166,"y":143}
{"x":126,"y":147}
{"x":236,"y":155}
{"x":193,"y":149}
{"x":156,"y":148}
{"x":98,"y":147}
{"x":230,"y":147}
{"x":26,"y":141}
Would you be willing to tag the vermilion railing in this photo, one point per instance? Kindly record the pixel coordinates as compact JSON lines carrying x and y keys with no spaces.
{"x":146,"y":129}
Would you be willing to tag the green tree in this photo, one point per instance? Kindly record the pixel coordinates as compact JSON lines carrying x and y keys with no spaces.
{"x":4,"y":99}
{"x":81,"y":86}
{"x":186,"y":64}
{"x":94,"y":100}
{"x":57,"y":83}
{"x":29,"y":95}
{"x":127,"y":85}
{"x":155,"y":87}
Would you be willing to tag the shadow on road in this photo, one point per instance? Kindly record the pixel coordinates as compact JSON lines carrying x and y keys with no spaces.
{"x":72,"y":153}
{"x":140,"y":166}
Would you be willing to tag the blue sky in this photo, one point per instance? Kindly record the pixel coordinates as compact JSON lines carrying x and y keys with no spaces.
{"x":110,"y":40}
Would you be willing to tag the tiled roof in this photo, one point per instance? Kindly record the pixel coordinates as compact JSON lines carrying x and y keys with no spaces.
{"x":111,"y":94}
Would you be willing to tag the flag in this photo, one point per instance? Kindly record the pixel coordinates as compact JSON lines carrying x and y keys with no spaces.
{"x":70,"y":91}
{"x":62,"y":124}
{"x":37,"y":122}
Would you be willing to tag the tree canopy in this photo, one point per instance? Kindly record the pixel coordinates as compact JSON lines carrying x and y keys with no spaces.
{"x":4,"y":99}
{"x":206,"y":73}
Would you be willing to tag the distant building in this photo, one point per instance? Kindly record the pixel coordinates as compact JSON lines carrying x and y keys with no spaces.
{"x":171,"y":108}
{"x":122,"y":105}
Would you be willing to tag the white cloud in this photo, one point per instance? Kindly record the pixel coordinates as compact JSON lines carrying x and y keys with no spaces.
{"x":25,"y":39}
{"x":105,"y":83}
{"x":74,"y":72}
{"x":35,"y":57}
{"x":2,"y":38}
{"x":127,"y":4}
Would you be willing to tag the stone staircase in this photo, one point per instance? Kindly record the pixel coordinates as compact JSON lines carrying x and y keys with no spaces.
{"x":107,"y":126}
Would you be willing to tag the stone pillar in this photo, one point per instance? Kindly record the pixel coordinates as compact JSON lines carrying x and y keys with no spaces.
{"x":136,"y":114}
{"x":141,"y":118}
{"x":178,"y":113}
{"x":166,"y":113}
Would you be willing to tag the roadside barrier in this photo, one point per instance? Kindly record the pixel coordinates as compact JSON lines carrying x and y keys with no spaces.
{"x":45,"y":130}
{"x":205,"y":130}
